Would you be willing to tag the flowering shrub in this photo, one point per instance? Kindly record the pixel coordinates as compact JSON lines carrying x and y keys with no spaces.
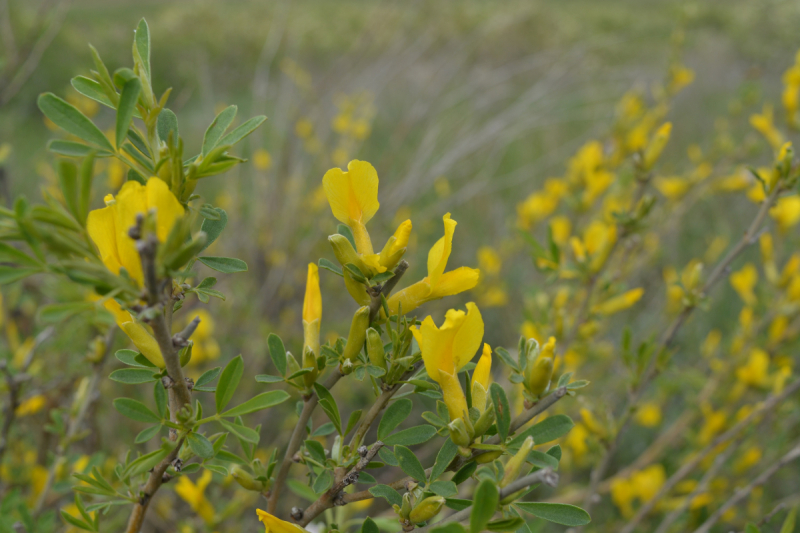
{"x":495,"y":413}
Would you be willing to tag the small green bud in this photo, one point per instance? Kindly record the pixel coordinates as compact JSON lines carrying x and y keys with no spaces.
{"x":310,"y":361}
{"x":515,"y":464}
{"x":459,"y":433}
{"x":488,"y":457}
{"x":345,"y":253}
{"x":426,"y":509}
{"x":375,"y":348}
{"x":405,"y":509}
{"x":538,"y":376}
{"x":246,"y":480}
{"x":513,"y":496}
{"x":358,"y":333}
{"x":292,"y":367}
{"x":484,"y":422}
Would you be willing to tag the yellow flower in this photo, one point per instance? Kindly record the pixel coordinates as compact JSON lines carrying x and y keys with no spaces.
{"x":261,"y":159}
{"x":312,"y":310}
{"x":786,"y":212}
{"x":447,"y":349}
{"x":353,"y":197}
{"x":618,"y":303}
{"x":489,"y":260}
{"x":561,"y":227}
{"x":656,"y":145}
{"x":205,"y":346}
{"x":438,"y":283}
{"x":108,"y":228}
{"x":749,"y":458}
{"x":755,"y":371}
{"x":195,"y":496}
{"x":481,"y":378}
{"x":764,"y":124}
{"x":673,"y":188}
{"x":273,"y":524}
{"x":395,"y":247}
{"x":649,"y":415}
{"x":744,"y":281}
{"x":32,"y":405}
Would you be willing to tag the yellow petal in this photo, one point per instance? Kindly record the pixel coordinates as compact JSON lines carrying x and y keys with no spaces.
{"x":312,"y":304}
{"x":478,"y":396}
{"x":144,"y":342}
{"x":353,"y":197}
{"x":440,"y":252}
{"x":483,"y":371}
{"x":120,"y":315}
{"x":455,"y":282}
{"x":356,"y":289}
{"x":103,"y":233}
{"x":274,"y":524}
{"x":168,"y":208}
{"x":131,"y":200}
{"x":409,"y":298}
{"x":468,"y":338}
{"x":453,"y":395}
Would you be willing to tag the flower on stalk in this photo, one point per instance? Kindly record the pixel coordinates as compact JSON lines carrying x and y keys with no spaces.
{"x":445,"y":351}
{"x":438,"y":283}
{"x":194,"y":495}
{"x":108,"y":228}
{"x":481,"y":378}
{"x":273,"y":524}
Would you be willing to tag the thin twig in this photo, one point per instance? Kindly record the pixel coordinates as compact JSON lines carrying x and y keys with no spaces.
{"x":652,"y":369}
{"x":742,"y":493}
{"x":775,"y":510}
{"x":332,"y":496}
{"x":154,"y":482}
{"x":296,"y":440}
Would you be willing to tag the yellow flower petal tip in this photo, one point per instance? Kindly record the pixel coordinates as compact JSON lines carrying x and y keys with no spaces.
{"x":312,"y":303}
{"x":273,"y":524}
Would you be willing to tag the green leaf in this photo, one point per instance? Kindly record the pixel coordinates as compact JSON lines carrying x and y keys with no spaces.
{"x":450,"y":527}
{"x":388,"y":457}
{"x":133,"y":376}
{"x":502,"y":411}
{"x":328,"y":404}
{"x":369,"y":526}
{"x":213,"y":228}
{"x":12,"y":274}
{"x":484,"y":505}
{"x":242,"y":432}
{"x":411,"y":436}
{"x":410,"y":464}
{"x":160,"y":396}
{"x":67,"y":117}
{"x":325,"y":429}
{"x":91,"y":89}
{"x":207,"y":377}
{"x":147,"y":434}
{"x":228,"y":382}
{"x":54,"y":313}
{"x":127,"y":105}
{"x":217,"y":469}
{"x":505,"y":524}
{"x":266,"y":378}
{"x":545,"y":431}
{"x":86,"y":176}
{"x":68,"y":179}
{"x":751,"y":528}
{"x":542,"y":460}
{"x":240,"y":132}
{"x":227,"y":265}
{"x":788,"y":523}
{"x":167,"y":123}
{"x":465,"y":473}
{"x":301,"y":489}
{"x":323,"y":482}
{"x":129,"y":358}
{"x":217,"y":128}
{"x":345,"y":230}
{"x":444,"y":488}
{"x":200,"y":445}
{"x":355,"y":416}
{"x":327,"y":265}
{"x":142,"y":41}
{"x":9,"y":254}
{"x":277,"y":352}
{"x":262,"y":401}
{"x":388,"y":493}
{"x":560,"y":513}
{"x":136,"y":410}
{"x":75,"y":521}
{"x":73,"y":149}
{"x":394,"y":416}
{"x":443,"y":459}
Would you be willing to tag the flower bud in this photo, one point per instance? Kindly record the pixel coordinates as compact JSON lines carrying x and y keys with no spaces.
{"x":514,"y":496}
{"x":358,"y":333}
{"x":459,"y":433}
{"x":310,"y":361}
{"x":539,"y":376}
{"x":426,"y":509}
{"x":344,"y":251}
{"x":484,"y":422}
{"x":375,"y":349}
{"x":656,"y":146}
{"x":405,"y":509}
{"x":515,"y":464}
{"x":292,"y":367}
{"x":488,"y":457}
{"x":246,"y":480}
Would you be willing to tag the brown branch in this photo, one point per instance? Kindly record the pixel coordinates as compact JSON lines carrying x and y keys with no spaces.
{"x":296,"y":440}
{"x":653,"y":369}
{"x":154,"y":482}
{"x":742,"y":493}
{"x":333,"y":495}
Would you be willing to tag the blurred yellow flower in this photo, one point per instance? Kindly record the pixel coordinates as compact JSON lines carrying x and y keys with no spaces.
{"x":32,"y":405}
{"x":755,"y":371}
{"x":273,"y":524}
{"x":261,"y":159}
{"x":206,"y":347}
{"x":786,"y":212}
{"x":489,"y":260}
{"x":744,"y":281}
{"x":765,"y":125}
{"x":649,"y":415}
{"x":194,"y":495}
{"x":618,"y":303}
